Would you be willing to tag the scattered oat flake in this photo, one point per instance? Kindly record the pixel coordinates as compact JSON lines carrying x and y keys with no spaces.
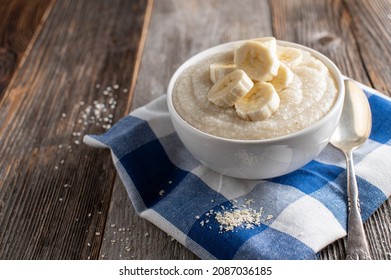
{"x":146,"y":234}
{"x":249,"y":201}
{"x":97,"y":233}
{"x":231,"y":219}
{"x":236,"y":216}
{"x":162,"y":192}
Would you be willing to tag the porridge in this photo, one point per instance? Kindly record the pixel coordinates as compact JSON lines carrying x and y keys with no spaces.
{"x":257,"y":90}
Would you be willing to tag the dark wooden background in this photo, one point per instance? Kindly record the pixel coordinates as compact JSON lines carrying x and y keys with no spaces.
{"x":60,"y":199}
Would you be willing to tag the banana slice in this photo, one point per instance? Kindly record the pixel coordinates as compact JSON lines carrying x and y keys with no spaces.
{"x":283,"y":79}
{"x":269,"y":42}
{"x":257,"y":60}
{"x":259,"y":104}
{"x":218,"y":70}
{"x":290,"y":56}
{"x":230,"y":89}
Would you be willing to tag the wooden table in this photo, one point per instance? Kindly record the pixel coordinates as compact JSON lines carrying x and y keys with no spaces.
{"x":60,"y":199}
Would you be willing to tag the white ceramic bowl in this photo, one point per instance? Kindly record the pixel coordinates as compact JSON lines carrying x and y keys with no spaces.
{"x":257,"y":159}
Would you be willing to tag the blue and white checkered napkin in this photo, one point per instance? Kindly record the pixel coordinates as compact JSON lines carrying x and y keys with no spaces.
{"x":292,"y":217}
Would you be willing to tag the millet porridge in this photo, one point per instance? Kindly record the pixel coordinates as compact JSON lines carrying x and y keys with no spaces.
{"x":305,"y":98}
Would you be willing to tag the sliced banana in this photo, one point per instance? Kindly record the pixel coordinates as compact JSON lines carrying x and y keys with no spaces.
{"x":269,"y":42}
{"x":219,"y":70}
{"x":229,"y":89}
{"x":283,"y":79}
{"x":259,"y":104}
{"x":257,"y":60}
{"x":290,"y":56}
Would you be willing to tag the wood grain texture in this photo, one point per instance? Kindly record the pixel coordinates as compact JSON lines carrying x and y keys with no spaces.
{"x":54,"y":191}
{"x":184,"y":28}
{"x":127,"y":236}
{"x":325,"y":26}
{"x":19,"y":19}
{"x":62,"y":200}
{"x":371,"y":26}
{"x":349,"y":34}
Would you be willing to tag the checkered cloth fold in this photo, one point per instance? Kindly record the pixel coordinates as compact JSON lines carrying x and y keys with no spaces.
{"x":290,"y":217}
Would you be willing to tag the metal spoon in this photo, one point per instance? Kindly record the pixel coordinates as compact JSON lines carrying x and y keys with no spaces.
{"x":352,"y":131}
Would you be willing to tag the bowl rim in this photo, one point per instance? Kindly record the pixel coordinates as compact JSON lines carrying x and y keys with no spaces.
{"x":335,"y":72}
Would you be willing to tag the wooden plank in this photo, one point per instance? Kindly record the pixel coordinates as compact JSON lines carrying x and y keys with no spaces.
{"x":18,"y":22}
{"x":184,"y":28}
{"x":371,"y":26}
{"x":127,"y":236}
{"x":54,"y":191}
{"x":324,"y":26}
{"x":181,"y":28}
{"x":343,"y":32}
{"x":378,"y":229}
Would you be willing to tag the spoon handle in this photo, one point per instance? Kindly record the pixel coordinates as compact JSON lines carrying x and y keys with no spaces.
{"x":357,"y":248}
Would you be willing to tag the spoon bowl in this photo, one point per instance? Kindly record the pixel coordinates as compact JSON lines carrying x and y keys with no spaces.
{"x":352,"y":131}
{"x":355,"y":123}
